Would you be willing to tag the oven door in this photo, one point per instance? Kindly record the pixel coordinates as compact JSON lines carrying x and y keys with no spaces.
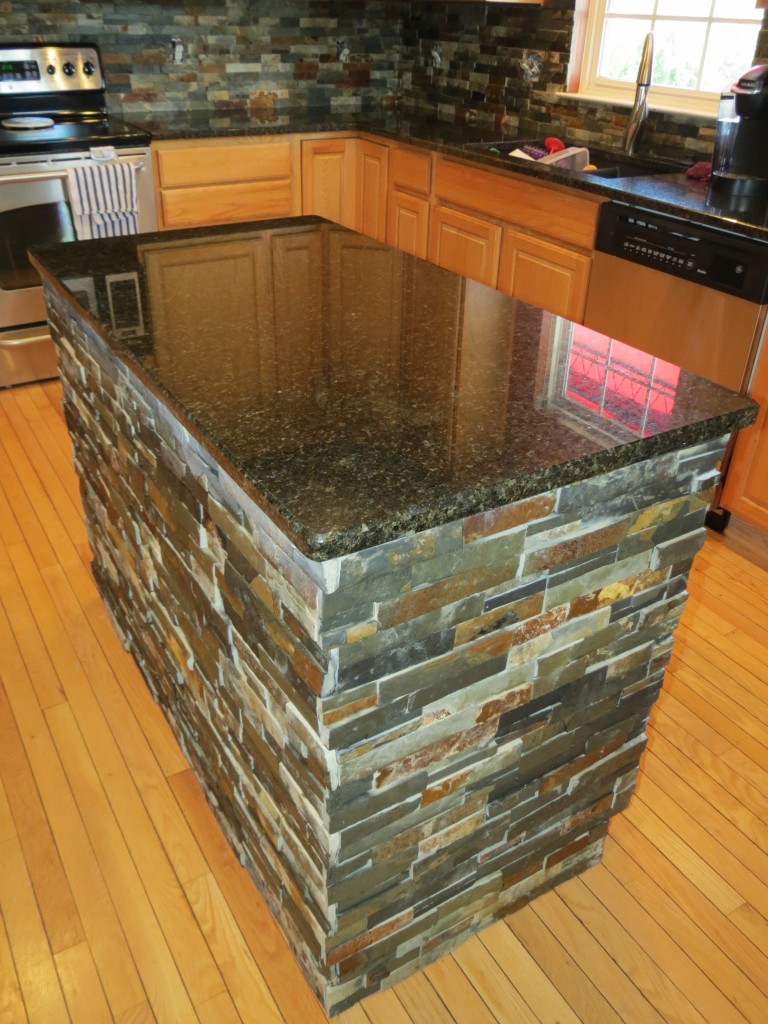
{"x":33,"y":210}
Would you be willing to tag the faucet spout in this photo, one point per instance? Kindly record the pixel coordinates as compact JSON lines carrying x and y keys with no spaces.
{"x":639,"y":114}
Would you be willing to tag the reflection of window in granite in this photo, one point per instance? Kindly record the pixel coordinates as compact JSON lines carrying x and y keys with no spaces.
{"x":620,"y":382}
{"x":614,"y":380}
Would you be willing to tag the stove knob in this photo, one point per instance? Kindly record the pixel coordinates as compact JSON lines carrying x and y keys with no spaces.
{"x":51,"y":69}
{"x":69,"y":68}
{"x":89,"y":67}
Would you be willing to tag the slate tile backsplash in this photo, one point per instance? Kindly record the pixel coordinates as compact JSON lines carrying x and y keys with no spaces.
{"x":502,"y":63}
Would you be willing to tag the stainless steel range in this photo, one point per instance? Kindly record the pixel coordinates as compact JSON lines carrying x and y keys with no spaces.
{"x":53,"y":117}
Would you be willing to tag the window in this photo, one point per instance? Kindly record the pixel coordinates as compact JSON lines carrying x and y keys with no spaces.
{"x":701,"y":47}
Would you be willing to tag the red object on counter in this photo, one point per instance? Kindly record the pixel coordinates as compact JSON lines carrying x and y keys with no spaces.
{"x":702,"y":171}
{"x":553,"y":145}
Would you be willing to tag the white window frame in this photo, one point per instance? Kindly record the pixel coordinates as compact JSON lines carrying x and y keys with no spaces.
{"x":611,"y":91}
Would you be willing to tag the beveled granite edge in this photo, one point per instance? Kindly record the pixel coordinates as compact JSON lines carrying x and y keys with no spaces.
{"x":673,"y":194}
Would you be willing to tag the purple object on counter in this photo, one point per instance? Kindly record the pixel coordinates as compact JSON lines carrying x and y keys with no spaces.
{"x":702,"y":171}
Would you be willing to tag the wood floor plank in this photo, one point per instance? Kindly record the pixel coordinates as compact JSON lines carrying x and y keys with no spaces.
{"x":12,"y":1009}
{"x":55,"y":529}
{"x":43,"y":863}
{"x":691,"y":723}
{"x":422,"y":1004}
{"x":718,"y":842}
{"x":167,"y":896}
{"x":386,"y":1008}
{"x":491,"y":983}
{"x":619,"y":989}
{"x":7,"y":824}
{"x":530,"y":980}
{"x":716,"y":708}
{"x":753,"y":924}
{"x":266,"y":942}
{"x":80,"y":982}
{"x":48,"y":462}
{"x":35,"y":969}
{"x":219,"y":1010}
{"x":83,"y":878}
{"x":29,"y":528}
{"x":46,"y":682}
{"x":681,"y":892}
{"x":713,"y":778}
{"x":680,"y":975}
{"x":680,"y":851}
{"x":141,"y":1014}
{"x":714,"y":963}
{"x":458,"y":992}
{"x":725,"y":672}
{"x":564,"y":970}
{"x":245,"y":981}
{"x":172,"y":828}
{"x":158,"y":971}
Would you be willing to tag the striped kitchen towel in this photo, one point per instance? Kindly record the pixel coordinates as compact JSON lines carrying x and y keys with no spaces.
{"x":103,"y":198}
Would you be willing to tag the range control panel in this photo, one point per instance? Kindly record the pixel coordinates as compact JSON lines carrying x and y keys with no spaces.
{"x":716,"y":259}
{"x":29,"y":71}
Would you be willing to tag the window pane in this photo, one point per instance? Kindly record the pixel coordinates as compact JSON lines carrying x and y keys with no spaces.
{"x":621,"y":49}
{"x":737,"y":9}
{"x":629,"y":7}
{"x":684,"y":8}
{"x":679,"y":48}
{"x":729,"y":54}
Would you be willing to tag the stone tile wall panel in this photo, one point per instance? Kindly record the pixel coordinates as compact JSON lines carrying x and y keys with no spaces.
{"x":405,"y":743}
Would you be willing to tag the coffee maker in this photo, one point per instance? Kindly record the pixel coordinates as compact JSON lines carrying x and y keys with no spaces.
{"x":740,"y":159}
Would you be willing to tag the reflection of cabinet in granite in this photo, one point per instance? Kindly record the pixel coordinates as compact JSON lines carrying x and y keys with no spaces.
{"x":218,"y":283}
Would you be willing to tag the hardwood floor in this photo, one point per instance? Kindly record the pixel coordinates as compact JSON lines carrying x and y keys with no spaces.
{"x":121,"y":901}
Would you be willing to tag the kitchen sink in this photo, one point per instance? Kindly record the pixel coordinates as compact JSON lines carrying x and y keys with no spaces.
{"x":608,"y":164}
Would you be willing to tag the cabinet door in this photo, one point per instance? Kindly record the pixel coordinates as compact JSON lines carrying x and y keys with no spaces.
{"x":544,"y":274}
{"x":465,"y":244}
{"x":372,"y":164}
{"x":746,"y":486}
{"x":408,"y":223}
{"x":328,"y":179}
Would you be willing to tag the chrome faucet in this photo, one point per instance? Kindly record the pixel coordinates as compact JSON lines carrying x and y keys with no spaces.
{"x":639,"y":113}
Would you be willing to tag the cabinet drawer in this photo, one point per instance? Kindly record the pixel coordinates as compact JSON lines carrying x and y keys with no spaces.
{"x":226,"y":204}
{"x":546,"y":210}
{"x":229,"y":162}
{"x":410,"y":170}
{"x":544,"y":274}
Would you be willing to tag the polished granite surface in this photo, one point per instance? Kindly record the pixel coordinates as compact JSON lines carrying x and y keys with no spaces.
{"x":361,"y":393}
{"x":668,"y":193}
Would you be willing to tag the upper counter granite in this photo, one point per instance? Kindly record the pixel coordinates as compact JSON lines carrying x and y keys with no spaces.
{"x":360,"y":393}
{"x":668,"y":193}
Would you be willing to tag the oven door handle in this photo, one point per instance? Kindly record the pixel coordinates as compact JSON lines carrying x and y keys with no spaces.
{"x":19,"y":179}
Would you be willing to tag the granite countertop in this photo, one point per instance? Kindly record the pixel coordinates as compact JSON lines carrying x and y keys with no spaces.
{"x":670,"y":193}
{"x":360,"y":393}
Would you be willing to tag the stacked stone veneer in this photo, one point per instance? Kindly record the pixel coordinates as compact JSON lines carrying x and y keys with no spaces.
{"x":404,"y":743}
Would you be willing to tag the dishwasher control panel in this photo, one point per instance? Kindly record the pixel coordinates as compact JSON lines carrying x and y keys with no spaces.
{"x":715,"y":259}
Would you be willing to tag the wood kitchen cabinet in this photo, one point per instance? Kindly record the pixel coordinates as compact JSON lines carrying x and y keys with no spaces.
{"x":465,"y":243}
{"x":544,"y":274}
{"x":473,"y":208}
{"x":328,"y":168}
{"x":410,"y":184}
{"x":220,"y":181}
{"x":746,"y":485}
{"x":372,"y":164}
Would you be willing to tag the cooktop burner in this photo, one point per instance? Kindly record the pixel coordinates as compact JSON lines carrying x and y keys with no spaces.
{"x":26,"y":123}
{"x":68,"y":133}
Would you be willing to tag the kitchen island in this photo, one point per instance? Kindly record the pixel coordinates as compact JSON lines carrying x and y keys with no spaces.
{"x":399,"y":556}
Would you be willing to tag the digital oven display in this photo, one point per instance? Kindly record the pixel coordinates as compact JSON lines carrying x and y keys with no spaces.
{"x":19,"y":71}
